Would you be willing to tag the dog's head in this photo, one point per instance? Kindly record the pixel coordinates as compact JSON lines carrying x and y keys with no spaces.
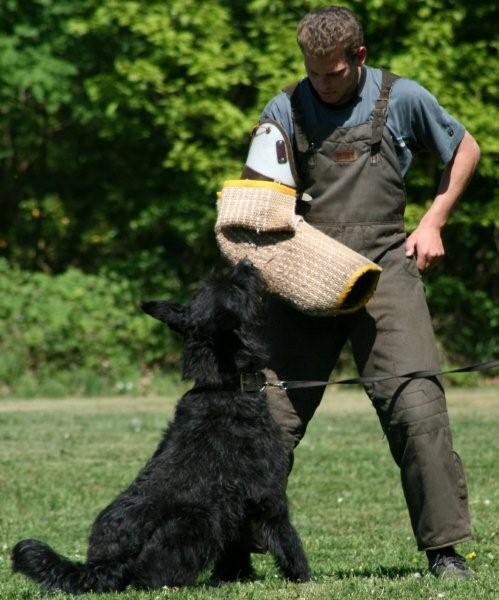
{"x":221,"y":325}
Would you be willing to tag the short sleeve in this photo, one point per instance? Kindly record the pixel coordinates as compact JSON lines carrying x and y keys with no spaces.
{"x":279,"y":109}
{"x":422,"y":123}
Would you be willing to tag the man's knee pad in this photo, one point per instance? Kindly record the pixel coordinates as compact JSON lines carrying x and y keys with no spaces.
{"x":419,"y":409}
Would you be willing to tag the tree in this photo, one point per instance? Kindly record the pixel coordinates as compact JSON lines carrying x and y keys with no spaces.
{"x":119,"y":121}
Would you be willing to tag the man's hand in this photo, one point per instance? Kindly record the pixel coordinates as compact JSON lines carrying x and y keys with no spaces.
{"x":425,"y":243}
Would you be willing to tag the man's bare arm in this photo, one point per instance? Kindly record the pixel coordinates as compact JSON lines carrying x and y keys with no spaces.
{"x":426,"y":241}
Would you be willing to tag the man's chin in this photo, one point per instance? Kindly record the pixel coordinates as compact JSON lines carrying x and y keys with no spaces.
{"x":335,"y":99}
{"x":329,"y":98}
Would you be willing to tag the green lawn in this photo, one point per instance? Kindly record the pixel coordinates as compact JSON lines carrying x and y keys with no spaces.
{"x":62,"y":460}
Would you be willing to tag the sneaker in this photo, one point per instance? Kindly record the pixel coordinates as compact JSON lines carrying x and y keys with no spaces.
{"x":445,"y":562}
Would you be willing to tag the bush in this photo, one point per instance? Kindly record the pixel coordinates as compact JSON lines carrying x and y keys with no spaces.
{"x":80,"y":332}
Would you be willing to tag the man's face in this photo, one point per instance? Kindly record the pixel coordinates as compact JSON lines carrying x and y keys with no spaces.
{"x":334,"y":77}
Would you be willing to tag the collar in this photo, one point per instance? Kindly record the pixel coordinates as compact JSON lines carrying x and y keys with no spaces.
{"x":232,"y":384}
{"x":253,"y":382}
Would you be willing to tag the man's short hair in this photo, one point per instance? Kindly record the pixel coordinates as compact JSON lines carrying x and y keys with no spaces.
{"x":322,"y":30}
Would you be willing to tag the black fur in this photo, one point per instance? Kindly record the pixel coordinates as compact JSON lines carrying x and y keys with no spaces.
{"x":220,"y":465}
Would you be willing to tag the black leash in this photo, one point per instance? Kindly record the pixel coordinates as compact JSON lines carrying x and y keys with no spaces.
{"x":255,"y":382}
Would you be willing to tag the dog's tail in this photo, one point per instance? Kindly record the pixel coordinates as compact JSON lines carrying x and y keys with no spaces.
{"x":54,"y":572}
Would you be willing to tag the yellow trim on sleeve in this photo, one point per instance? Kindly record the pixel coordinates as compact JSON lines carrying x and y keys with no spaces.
{"x":259,"y":183}
{"x":349,"y":286}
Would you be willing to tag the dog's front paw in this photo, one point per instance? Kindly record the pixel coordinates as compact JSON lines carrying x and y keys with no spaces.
{"x":218,"y":579}
{"x":301,"y":576}
{"x":225,"y":572}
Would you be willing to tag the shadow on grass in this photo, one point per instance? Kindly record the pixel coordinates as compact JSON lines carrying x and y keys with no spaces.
{"x":381,"y":571}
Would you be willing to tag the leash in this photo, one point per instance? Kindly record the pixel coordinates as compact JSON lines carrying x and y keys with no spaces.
{"x":257,"y":382}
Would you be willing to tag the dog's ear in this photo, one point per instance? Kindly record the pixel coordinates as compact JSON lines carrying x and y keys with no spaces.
{"x":171,"y":313}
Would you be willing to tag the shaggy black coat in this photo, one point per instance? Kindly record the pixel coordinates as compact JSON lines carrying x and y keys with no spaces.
{"x":220,"y":465}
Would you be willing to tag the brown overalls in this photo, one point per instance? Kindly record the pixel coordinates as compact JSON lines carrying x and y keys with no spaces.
{"x":358,"y":196}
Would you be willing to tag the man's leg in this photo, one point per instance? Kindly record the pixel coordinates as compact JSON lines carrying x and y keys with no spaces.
{"x":301,"y":347}
{"x":394,"y":335}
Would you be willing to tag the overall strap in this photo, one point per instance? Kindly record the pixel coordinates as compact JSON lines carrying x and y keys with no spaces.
{"x":303,"y":144}
{"x":380,"y":110}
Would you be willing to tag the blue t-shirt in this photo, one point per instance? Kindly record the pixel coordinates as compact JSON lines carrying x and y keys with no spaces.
{"x":415,"y":119}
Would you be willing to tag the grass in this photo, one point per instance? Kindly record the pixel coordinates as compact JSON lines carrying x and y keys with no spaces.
{"x":63,"y":460}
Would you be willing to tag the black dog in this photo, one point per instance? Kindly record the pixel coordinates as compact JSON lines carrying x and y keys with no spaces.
{"x":220,"y":465}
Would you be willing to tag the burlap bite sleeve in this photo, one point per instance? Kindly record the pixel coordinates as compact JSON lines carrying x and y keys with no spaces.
{"x":305,"y":267}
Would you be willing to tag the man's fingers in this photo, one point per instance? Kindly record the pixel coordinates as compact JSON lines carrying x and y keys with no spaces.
{"x":426,"y":262}
{"x":410,"y":248}
{"x":421,"y":263}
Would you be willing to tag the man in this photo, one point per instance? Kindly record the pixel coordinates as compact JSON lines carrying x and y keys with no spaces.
{"x":354,"y":130}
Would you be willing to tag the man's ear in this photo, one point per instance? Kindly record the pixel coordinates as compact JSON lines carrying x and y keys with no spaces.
{"x":171,"y":313}
{"x":361,"y":55}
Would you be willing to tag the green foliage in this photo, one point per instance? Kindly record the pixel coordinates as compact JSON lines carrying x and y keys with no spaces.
{"x":465,"y":308}
{"x":86,"y":333}
{"x":119,"y":121}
